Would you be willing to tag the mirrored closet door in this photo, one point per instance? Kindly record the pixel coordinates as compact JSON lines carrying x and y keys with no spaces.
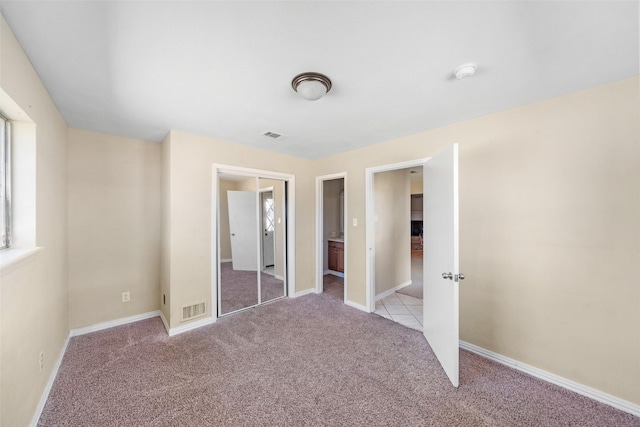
{"x":251,"y":241}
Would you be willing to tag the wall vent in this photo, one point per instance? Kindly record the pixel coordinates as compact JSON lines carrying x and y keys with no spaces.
{"x":273,"y":135}
{"x":192,"y":311}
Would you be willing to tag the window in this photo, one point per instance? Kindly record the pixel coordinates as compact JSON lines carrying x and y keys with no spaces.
{"x":5,"y":183}
{"x":269,"y":217}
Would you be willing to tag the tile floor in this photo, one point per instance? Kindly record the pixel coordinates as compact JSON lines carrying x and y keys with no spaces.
{"x":402,"y":309}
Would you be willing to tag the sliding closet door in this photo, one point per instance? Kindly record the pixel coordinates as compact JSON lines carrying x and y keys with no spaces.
{"x":238,"y":266}
{"x":272,"y":236}
{"x":251,"y":241}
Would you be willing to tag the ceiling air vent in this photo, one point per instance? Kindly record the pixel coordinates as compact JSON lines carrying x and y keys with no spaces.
{"x":273,"y":135}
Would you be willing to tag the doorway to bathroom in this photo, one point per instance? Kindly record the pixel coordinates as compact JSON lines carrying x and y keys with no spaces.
{"x":331,"y":235}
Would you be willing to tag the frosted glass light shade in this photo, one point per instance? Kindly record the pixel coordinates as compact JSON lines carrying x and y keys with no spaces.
{"x":312,"y":90}
{"x":311,"y":86}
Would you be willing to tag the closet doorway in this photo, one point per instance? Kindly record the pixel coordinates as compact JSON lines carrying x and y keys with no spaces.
{"x":253,"y":238}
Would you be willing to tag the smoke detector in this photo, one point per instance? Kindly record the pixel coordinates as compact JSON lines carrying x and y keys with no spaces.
{"x":465,"y":70}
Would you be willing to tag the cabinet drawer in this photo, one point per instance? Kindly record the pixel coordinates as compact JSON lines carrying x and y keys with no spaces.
{"x":336,"y":245}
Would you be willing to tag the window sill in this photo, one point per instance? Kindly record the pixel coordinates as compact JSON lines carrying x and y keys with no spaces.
{"x":12,"y":258}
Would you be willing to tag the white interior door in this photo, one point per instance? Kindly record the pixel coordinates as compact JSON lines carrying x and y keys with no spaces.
{"x":441,"y":260}
{"x":268,"y":228}
{"x":243,"y":212}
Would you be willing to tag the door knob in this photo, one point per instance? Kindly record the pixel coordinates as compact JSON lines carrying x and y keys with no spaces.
{"x":447,"y":276}
{"x":461,"y":276}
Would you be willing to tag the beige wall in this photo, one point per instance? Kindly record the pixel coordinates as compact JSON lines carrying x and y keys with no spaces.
{"x":33,"y":295}
{"x":549,"y":231}
{"x":416,"y":185}
{"x":190,"y":210}
{"x":225,"y":233}
{"x":114,"y":226}
{"x":392,"y":229}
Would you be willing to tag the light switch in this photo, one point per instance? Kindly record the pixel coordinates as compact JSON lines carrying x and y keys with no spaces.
{"x":355,"y":222}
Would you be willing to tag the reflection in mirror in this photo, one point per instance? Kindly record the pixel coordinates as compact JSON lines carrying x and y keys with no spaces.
{"x":238,"y":242}
{"x":272,"y":239}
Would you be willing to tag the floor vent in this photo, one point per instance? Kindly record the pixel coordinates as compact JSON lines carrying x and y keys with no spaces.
{"x":192,"y":311}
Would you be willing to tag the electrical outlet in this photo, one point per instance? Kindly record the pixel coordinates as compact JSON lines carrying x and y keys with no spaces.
{"x":126,"y":296}
{"x":41,"y":360}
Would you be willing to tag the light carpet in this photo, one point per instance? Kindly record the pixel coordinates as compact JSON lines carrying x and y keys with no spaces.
{"x":307,"y":361}
{"x":239,"y":289}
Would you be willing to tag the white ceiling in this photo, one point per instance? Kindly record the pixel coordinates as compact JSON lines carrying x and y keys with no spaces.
{"x":224,"y":69}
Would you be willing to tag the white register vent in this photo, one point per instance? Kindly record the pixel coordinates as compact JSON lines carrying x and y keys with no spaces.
{"x":192,"y":311}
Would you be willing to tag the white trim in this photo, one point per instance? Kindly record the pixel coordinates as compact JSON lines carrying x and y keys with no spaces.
{"x":12,"y":258}
{"x":370,"y":224}
{"x":226,"y":260}
{"x":356,"y":305}
{"x":191,"y":326}
{"x":112,"y":323}
{"x":305,"y":292}
{"x":335,"y":273}
{"x":47,"y":388}
{"x":319,"y":270}
{"x":576,"y":387}
{"x":392,"y":290}
{"x":165,"y":323}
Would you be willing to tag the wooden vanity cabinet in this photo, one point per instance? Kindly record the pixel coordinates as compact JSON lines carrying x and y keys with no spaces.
{"x":336,"y":256}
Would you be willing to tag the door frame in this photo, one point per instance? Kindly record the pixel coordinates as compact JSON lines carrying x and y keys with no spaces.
{"x":320,"y":226}
{"x":370,"y":270}
{"x":290,"y":253}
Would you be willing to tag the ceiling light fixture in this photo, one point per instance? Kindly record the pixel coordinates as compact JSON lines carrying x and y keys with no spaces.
{"x":311,"y":86}
{"x":465,"y":70}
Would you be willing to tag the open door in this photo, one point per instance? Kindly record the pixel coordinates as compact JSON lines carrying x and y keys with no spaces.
{"x":441,"y":259}
{"x":243,"y":211}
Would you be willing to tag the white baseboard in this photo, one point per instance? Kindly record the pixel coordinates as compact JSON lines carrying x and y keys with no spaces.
{"x":226,"y":260}
{"x":165,"y":323}
{"x":49,"y":385}
{"x":305,"y":292}
{"x":333,"y":272}
{"x":191,"y":326}
{"x":113,"y":323}
{"x":356,"y":305}
{"x":392,"y":290}
{"x":277,"y":276}
{"x":582,"y":389}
